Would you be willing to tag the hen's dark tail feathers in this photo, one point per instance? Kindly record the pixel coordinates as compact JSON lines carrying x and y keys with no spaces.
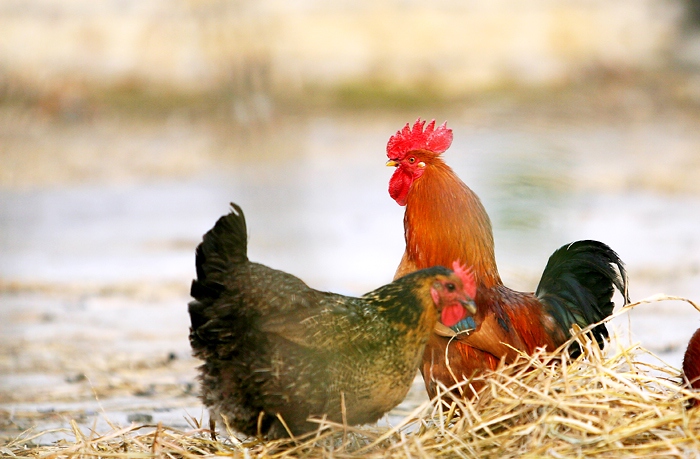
{"x":578,"y":283}
{"x":223,"y":246}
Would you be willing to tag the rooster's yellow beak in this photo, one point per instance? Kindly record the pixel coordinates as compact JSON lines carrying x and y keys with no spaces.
{"x":392,"y":163}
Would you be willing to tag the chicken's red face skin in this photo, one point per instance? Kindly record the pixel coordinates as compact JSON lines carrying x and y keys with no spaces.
{"x":452,"y":302}
{"x":408,"y":169}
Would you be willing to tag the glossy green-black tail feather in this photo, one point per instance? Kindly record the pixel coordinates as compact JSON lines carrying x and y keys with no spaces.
{"x":226,"y":244}
{"x":577,"y":286}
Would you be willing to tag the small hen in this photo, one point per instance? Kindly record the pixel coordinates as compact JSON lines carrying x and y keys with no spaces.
{"x":445,"y":220}
{"x":277,"y":352}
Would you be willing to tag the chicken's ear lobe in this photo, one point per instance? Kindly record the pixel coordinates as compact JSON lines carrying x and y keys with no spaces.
{"x":467,"y":277}
{"x":435,"y":295}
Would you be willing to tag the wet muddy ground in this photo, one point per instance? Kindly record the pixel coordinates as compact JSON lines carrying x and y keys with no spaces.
{"x":100,"y":215}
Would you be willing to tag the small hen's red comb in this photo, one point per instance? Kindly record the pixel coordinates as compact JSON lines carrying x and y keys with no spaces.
{"x":408,"y":139}
{"x":467,"y":277}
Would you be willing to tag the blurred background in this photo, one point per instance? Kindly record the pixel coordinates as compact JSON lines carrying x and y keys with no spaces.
{"x":126,"y":128}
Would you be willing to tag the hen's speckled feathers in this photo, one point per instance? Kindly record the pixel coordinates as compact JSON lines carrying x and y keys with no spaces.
{"x":273,"y":345}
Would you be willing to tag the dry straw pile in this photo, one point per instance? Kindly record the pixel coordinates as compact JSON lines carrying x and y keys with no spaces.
{"x":544,"y":405}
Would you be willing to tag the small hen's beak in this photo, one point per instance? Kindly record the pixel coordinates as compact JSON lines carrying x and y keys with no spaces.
{"x":392,"y":163}
{"x":469,"y":305}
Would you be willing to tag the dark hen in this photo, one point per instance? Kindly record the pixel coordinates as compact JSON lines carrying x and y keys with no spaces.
{"x":275,"y":348}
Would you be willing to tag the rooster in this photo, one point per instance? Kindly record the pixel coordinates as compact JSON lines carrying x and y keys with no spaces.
{"x":444,"y":221}
{"x":277,"y":352}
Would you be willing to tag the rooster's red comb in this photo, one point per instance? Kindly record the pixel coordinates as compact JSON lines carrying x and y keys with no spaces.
{"x":410,"y":138}
{"x":466,"y":275}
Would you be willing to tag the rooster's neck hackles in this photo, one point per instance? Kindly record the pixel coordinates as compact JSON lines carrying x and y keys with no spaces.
{"x":442,"y":226}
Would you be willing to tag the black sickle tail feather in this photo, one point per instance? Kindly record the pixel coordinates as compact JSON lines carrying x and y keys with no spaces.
{"x":223,"y":246}
{"x":578,"y":283}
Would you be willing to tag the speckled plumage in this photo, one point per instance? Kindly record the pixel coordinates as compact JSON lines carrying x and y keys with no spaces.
{"x":271,"y":344}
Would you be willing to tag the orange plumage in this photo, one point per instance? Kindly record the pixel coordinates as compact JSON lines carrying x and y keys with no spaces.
{"x":445,"y":221}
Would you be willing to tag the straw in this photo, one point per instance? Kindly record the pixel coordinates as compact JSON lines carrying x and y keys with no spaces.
{"x":542,"y":405}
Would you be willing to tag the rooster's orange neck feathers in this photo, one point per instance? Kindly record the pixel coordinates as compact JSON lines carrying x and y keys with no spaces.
{"x":441,"y":227}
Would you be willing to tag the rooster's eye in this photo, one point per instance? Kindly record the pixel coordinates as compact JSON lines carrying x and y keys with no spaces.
{"x":450,"y":287}
{"x":411,"y":160}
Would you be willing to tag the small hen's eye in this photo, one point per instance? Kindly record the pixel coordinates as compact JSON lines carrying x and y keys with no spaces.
{"x":411,"y":160}
{"x":450,"y":287}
